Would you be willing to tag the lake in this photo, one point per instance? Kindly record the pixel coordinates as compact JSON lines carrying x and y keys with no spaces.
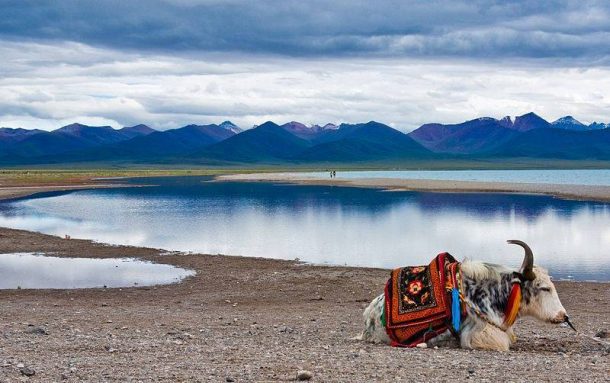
{"x":326,"y":224}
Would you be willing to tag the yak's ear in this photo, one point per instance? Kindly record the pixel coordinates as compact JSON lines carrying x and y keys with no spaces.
{"x":519,"y":276}
{"x":523,"y":277}
{"x":529,"y":275}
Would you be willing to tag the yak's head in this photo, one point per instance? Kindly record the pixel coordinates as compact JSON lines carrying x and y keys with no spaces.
{"x":539,"y":296}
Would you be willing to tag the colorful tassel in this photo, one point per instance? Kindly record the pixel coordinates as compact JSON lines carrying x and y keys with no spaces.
{"x":512,"y":308}
{"x":456,"y":315}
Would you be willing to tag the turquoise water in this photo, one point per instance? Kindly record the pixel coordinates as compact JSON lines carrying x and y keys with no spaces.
{"x":328,"y":225}
{"x":568,"y":177}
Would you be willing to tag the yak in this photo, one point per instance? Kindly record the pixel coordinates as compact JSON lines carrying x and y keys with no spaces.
{"x":485,"y":289}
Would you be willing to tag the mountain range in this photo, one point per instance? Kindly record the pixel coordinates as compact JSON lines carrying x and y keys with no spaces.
{"x":526,"y":136}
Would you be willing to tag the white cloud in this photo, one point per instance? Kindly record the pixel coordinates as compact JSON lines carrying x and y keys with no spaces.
{"x":48,"y":85}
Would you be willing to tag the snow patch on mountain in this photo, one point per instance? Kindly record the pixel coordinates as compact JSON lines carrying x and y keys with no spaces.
{"x":228,"y":125}
{"x":568,"y":122}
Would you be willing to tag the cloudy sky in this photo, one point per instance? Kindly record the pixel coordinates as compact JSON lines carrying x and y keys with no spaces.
{"x":168,"y":63}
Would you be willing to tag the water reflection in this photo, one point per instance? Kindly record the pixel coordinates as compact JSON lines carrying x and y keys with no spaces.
{"x":34,"y":271}
{"x":333,"y":225}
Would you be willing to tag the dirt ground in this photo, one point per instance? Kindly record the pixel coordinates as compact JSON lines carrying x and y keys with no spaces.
{"x":244,"y":319}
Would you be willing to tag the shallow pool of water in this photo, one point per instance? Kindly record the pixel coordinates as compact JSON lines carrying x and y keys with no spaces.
{"x":37,"y":271}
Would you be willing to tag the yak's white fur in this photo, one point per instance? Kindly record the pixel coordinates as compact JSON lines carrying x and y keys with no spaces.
{"x":374,"y":330}
{"x":546,"y":305}
{"x":480,"y":270}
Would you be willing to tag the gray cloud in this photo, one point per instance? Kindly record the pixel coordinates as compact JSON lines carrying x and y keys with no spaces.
{"x":173,"y":62}
{"x":577,"y":30}
{"x":47,"y":86}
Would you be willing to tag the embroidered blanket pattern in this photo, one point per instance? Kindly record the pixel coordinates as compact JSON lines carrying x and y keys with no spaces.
{"x":418,"y":306}
{"x":415,"y":289}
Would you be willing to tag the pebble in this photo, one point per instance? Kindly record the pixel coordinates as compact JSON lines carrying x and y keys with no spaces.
{"x":601,"y":334}
{"x":27,"y":371}
{"x":110,"y":349}
{"x":304,"y":375}
{"x":229,"y":379}
{"x":37,"y":331}
{"x":422,"y":345}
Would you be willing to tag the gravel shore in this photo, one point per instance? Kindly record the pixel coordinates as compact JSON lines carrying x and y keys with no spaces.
{"x":245,"y":319}
{"x":577,"y":192}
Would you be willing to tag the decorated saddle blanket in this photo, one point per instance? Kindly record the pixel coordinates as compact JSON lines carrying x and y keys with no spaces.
{"x":418,"y":301}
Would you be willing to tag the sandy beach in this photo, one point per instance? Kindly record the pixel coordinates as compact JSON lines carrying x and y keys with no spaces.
{"x":577,"y":192}
{"x":249,"y":319}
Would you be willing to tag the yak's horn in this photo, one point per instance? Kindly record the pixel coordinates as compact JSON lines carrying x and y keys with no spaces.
{"x":528,"y":261}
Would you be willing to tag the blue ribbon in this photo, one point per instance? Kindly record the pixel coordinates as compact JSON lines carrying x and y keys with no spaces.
{"x":456,"y":314}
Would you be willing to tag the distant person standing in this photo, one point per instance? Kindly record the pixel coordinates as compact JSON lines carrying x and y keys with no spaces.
{"x":334,"y":173}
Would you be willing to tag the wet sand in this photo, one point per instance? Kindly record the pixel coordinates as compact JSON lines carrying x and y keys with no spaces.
{"x":251,"y":319}
{"x":577,"y":192}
